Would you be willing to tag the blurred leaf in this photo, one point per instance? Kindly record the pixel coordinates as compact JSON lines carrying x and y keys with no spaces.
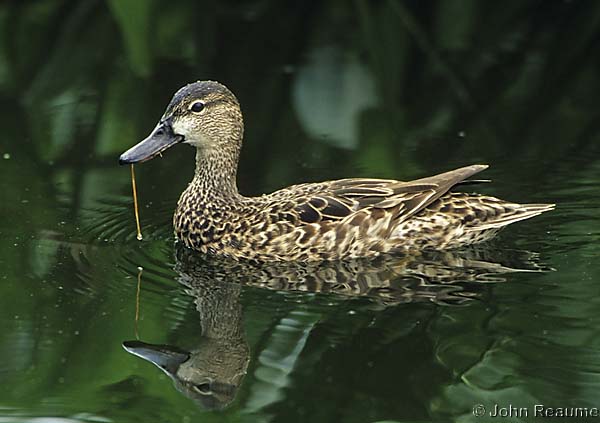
{"x":117,"y":126}
{"x":329,"y":93}
{"x":135,"y":21}
{"x":455,"y":24}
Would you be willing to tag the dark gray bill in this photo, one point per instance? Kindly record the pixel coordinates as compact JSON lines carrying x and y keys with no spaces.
{"x":161,"y":138}
{"x":166,"y":357}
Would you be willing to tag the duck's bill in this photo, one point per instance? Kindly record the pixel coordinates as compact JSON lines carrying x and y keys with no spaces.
{"x":165,"y":357}
{"x":161,"y":138}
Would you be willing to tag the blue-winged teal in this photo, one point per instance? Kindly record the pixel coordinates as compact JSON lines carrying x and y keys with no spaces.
{"x":346,"y":218}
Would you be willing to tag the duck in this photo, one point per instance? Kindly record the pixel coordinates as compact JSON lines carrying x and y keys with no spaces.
{"x":318,"y":221}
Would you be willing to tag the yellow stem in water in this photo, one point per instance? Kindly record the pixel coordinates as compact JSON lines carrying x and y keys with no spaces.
{"x":137,"y":301}
{"x":135,"y":205}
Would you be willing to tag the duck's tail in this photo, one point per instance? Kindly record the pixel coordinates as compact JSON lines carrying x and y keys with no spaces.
{"x":512,"y":213}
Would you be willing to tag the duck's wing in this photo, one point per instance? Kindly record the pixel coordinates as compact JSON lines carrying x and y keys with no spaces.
{"x":336,"y":200}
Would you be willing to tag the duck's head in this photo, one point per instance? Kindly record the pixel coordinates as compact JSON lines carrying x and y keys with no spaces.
{"x":204,"y":114}
{"x":210,"y":375}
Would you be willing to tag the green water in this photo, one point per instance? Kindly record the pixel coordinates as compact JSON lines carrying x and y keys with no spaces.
{"x":328,"y":90}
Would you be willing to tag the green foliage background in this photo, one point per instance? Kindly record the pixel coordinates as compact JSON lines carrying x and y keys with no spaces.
{"x":424,"y":87}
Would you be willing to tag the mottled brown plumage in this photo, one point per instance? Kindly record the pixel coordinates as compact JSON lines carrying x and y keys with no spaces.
{"x":346,"y":218}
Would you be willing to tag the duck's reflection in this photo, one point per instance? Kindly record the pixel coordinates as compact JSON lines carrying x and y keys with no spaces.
{"x":212,"y":372}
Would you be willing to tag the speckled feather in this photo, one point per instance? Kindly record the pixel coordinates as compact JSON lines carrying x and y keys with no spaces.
{"x":347,"y":218}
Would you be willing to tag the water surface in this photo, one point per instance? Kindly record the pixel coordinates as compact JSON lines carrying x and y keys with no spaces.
{"x":329,"y":90}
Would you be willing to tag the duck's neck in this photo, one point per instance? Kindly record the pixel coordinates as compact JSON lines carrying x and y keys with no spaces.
{"x":215,"y":174}
{"x":208,"y":199}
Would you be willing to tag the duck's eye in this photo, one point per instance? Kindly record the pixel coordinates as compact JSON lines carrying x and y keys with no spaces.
{"x":203,"y":388}
{"x":197,"y":106}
